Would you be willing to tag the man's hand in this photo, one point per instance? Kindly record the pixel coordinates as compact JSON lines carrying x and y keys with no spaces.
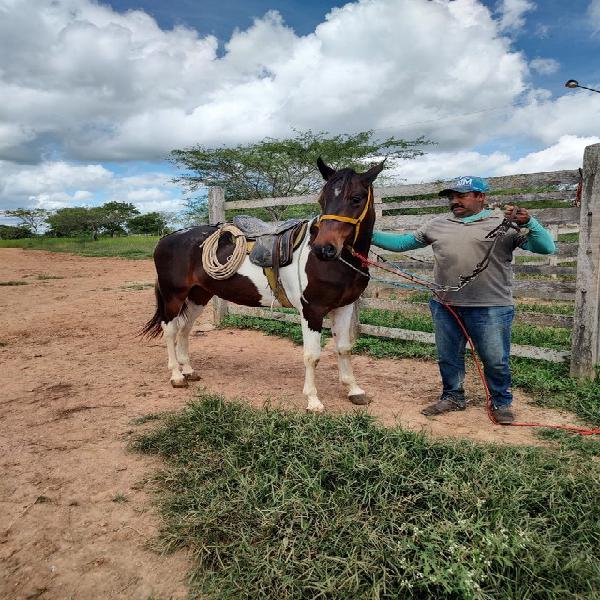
{"x":521,"y":216}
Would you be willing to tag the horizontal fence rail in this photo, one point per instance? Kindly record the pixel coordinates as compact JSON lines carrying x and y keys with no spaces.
{"x":542,"y":278}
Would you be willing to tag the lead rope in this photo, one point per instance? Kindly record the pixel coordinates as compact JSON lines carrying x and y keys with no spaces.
{"x":365,"y":262}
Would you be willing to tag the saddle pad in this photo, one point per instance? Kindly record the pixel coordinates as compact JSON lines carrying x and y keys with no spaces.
{"x":253,"y":227}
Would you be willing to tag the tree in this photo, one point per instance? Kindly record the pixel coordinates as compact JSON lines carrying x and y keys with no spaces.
{"x":14,"y":232}
{"x":77,"y":220}
{"x":115,"y":216}
{"x":276,"y":168}
{"x":151,"y":223}
{"x":32,"y":218}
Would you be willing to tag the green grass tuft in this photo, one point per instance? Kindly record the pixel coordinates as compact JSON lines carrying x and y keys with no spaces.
{"x":13,"y":283}
{"x":280,"y":505}
{"x":132,"y":246}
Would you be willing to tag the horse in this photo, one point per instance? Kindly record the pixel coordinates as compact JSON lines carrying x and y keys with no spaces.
{"x":316,"y":282}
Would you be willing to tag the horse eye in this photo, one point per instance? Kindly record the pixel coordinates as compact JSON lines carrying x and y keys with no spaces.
{"x":356,"y":200}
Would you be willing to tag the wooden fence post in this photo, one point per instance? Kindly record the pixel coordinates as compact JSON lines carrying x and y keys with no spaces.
{"x":216,"y":214}
{"x":586,"y":323}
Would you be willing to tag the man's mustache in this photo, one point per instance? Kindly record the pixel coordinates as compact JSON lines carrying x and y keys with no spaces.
{"x":455,"y":205}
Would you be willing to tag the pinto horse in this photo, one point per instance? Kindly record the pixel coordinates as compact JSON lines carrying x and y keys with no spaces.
{"x":316,"y":283}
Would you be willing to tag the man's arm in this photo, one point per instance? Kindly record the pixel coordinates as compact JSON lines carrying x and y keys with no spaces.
{"x":539,"y":239}
{"x":396,"y":242}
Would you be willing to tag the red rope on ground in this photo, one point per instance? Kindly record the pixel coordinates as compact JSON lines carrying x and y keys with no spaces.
{"x":365,"y":262}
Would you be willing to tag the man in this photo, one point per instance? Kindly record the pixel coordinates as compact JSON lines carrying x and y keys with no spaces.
{"x":485,"y":305}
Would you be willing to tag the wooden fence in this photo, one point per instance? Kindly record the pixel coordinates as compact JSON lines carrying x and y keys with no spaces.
{"x":580,"y":261}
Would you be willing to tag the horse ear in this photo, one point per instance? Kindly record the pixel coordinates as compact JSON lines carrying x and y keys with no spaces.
{"x":369,"y":176}
{"x":326,"y":171}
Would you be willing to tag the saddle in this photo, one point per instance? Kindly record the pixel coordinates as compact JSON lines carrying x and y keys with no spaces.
{"x":271,"y":246}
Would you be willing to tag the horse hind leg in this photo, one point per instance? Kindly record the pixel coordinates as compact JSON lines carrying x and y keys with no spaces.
{"x":341,"y":329}
{"x":173,"y":319}
{"x":186,"y":322}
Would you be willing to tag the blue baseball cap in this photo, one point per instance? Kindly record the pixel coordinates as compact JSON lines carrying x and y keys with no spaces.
{"x":466,"y":184}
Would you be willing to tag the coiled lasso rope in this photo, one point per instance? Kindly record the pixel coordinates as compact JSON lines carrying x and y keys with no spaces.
{"x":210,"y":245}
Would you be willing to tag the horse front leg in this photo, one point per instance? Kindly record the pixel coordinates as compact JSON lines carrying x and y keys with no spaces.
{"x":311,"y":340}
{"x":341,"y":329}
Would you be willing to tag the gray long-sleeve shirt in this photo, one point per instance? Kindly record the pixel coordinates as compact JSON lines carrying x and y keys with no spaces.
{"x":459,"y":244}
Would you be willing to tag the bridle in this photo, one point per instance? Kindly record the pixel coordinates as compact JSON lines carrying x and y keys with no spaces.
{"x":353,"y":221}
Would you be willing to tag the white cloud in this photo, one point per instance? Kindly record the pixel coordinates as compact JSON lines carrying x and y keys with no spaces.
{"x":513,"y":13}
{"x":104,"y":85}
{"x":567,"y":153}
{"x":59,"y":184}
{"x":546,"y":120}
{"x":447,"y":165}
{"x":594,"y":14}
{"x":544,"y":66}
{"x":81,"y":83}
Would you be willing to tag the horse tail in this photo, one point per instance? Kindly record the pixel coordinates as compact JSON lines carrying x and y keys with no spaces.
{"x":152,"y":328}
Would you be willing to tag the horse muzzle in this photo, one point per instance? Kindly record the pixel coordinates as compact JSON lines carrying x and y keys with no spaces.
{"x":326,"y":251}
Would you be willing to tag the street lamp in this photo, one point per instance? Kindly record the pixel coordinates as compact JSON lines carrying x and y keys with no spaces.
{"x":575,"y":84}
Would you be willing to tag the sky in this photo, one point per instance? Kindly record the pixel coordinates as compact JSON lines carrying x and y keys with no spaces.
{"x":95,"y":94}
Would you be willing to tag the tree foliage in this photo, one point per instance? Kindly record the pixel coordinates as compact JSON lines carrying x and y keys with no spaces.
{"x":76,"y":220}
{"x":30,"y":218}
{"x":151,"y":223}
{"x":115,"y":215}
{"x":14,"y":232}
{"x":276,"y":168}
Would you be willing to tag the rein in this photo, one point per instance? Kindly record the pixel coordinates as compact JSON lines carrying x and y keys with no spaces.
{"x":353,"y":221}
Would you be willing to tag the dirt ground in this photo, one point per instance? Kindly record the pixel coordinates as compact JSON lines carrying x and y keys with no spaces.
{"x":76,"y":519}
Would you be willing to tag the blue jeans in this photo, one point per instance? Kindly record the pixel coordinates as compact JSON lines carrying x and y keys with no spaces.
{"x":489,"y":327}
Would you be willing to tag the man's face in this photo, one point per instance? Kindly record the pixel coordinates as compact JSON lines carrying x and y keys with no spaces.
{"x":466,"y":204}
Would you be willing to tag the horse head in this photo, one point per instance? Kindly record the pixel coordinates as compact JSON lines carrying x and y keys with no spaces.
{"x":346,"y":203}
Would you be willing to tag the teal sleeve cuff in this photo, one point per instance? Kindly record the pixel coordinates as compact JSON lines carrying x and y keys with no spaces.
{"x":539,"y":239}
{"x":396,"y":242}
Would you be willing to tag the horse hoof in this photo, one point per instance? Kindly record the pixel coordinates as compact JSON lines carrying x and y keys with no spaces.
{"x":179,"y":383}
{"x":315,"y":410}
{"x":191,"y":376}
{"x":359,"y":399}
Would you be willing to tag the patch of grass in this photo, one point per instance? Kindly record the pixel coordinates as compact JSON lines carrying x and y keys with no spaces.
{"x":279,"y":505}
{"x":137,"y":286}
{"x":549,"y":384}
{"x":544,"y":337}
{"x":132,"y":246}
{"x":120,"y":498}
{"x":13,"y":283}
{"x":281,"y":329}
{"x":149,"y":417}
{"x":530,"y":259}
{"x":584,"y":445}
{"x":555,"y":308}
{"x":568,"y":237}
{"x":44,"y":277}
{"x":544,"y":277}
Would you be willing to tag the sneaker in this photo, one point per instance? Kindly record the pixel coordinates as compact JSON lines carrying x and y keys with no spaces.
{"x":503,"y":415}
{"x":443,"y":405}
